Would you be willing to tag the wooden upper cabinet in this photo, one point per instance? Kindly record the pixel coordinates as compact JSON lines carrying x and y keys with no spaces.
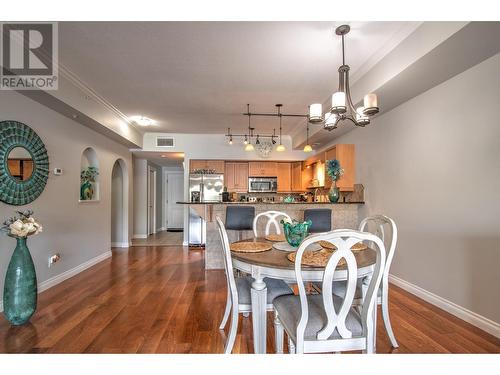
{"x":236,"y":177}
{"x":296,"y":176}
{"x":262,"y":169}
{"x":345,"y":154}
{"x":241,"y":177}
{"x":217,"y":165}
{"x":229,"y":176}
{"x":196,"y":164}
{"x":284,"y":177}
{"x":14,"y":166}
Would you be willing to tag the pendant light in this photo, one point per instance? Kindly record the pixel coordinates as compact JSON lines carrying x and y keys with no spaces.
{"x":248,"y":144}
{"x":280,"y":147}
{"x":342,"y":108}
{"x":307,"y":147}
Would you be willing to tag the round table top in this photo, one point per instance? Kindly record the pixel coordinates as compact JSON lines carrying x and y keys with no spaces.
{"x":278,"y":259}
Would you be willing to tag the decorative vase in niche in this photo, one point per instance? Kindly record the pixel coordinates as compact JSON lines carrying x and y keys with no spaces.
{"x":334,"y":193}
{"x":86,"y":191}
{"x":20,"y":287}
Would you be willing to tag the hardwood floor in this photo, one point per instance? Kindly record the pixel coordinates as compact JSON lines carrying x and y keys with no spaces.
{"x":161,"y":300}
{"x":162,"y":238}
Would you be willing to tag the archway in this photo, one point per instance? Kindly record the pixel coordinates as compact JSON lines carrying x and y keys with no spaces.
{"x":119,"y":205}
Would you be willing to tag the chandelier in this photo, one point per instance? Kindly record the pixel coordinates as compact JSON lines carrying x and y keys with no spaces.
{"x":342,"y":108}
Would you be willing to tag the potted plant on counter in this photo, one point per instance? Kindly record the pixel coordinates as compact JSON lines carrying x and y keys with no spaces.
{"x":20,"y":287}
{"x":335,"y":172}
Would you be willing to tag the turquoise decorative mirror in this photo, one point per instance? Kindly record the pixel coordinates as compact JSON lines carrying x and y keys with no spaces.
{"x":24,"y":164}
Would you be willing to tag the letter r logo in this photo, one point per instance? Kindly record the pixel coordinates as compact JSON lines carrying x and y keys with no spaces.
{"x":27,"y":49}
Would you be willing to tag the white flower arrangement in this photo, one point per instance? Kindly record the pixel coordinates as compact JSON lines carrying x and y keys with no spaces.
{"x":23,"y":226}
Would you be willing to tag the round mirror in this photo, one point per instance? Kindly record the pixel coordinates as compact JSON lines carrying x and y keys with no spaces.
{"x":20,"y":163}
{"x":24,"y":164}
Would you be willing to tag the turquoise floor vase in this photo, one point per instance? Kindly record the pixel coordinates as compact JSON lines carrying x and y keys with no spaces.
{"x":20,"y":288}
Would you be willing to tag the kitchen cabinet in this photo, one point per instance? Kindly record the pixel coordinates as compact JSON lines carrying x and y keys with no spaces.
{"x":236,"y":177}
{"x":20,"y":168}
{"x":262,"y":169}
{"x":306,"y":175}
{"x":345,"y":154}
{"x":14,"y":166}
{"x":217,"y":165}
{"x":296,"y":176}
{"x":284,"y":174}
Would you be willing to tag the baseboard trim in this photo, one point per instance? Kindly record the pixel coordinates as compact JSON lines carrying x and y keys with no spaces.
{"x":120,"y":244}
{"x":471,"y":317}
{"x":140,"y":236}
{"x":53,"y":281}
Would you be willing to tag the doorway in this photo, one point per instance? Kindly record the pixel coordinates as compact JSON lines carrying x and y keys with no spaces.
{"x":151,"y":217}
{"x":119,"y":205}
{"x":174,"y":186}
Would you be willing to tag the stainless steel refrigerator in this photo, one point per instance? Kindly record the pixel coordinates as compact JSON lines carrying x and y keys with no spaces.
{"x":210,"y":188}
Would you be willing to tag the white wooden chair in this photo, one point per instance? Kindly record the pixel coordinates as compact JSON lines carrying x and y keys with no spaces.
{"x":324,"y":322}
{"x":239,"y":291}
{"x":375,"y":224}
{"x":272,"y":219}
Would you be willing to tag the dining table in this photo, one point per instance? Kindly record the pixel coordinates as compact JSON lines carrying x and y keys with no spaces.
{"x":275,"y":264}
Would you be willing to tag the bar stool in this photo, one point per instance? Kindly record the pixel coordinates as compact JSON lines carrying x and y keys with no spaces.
{"x":239,"y":218}
{"x":321,"y":219}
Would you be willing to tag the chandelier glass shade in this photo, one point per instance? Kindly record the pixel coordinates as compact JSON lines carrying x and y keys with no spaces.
{"x":342,"y":109}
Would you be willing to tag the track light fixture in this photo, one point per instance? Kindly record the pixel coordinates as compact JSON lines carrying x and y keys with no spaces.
{"x":247,"y":138}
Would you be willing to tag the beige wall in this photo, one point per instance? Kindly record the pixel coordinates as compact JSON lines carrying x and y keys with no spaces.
{"x":433,"y":165}
{"x":78,"y":231}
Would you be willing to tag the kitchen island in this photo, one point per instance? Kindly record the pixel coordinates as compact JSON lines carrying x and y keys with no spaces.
{"x":344,"y":215}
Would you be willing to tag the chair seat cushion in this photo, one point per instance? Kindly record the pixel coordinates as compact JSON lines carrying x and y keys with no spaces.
{"x":275,"y":288}
{"x":339,"y":289}
{"x":289,"y":312}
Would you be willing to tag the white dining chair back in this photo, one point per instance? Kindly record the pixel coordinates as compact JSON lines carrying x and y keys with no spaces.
{"x":239,"y":291}
{"x":228,"y":263}
{"x":272,"y":219}
{"x":385,"y":228}
{"x":378,"y":225}
{"x":336,"y":319}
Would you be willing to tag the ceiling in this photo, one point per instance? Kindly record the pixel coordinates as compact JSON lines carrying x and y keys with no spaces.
{"x":164,"y":159}
{"x":196,"y":77}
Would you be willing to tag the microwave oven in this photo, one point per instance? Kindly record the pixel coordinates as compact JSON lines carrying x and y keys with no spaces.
{"x":262,"y":184}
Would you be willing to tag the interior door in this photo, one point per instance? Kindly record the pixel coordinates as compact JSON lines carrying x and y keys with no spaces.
{"x":175,"y":193}
{"x":151,"y":201}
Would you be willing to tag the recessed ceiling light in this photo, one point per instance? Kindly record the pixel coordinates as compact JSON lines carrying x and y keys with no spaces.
{"x":164,"y":156}
{"x":142,"y":120}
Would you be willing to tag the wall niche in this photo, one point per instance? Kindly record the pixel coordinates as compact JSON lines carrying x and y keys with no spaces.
{"x":89,"y":176}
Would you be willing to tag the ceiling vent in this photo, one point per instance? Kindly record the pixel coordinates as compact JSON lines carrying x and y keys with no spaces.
{"x":164,"y":142}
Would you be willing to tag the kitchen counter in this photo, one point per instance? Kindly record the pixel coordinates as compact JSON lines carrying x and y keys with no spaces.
{"x":344,"y":215}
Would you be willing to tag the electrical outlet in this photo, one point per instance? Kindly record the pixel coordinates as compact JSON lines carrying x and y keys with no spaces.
{"x":54,"y":258}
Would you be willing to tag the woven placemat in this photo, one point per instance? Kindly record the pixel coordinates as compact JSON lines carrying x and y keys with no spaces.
{"x":315,"y":258}
{"x":250,"y":247}
{"x":275,"y":237}
{"x":356,"y":247}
